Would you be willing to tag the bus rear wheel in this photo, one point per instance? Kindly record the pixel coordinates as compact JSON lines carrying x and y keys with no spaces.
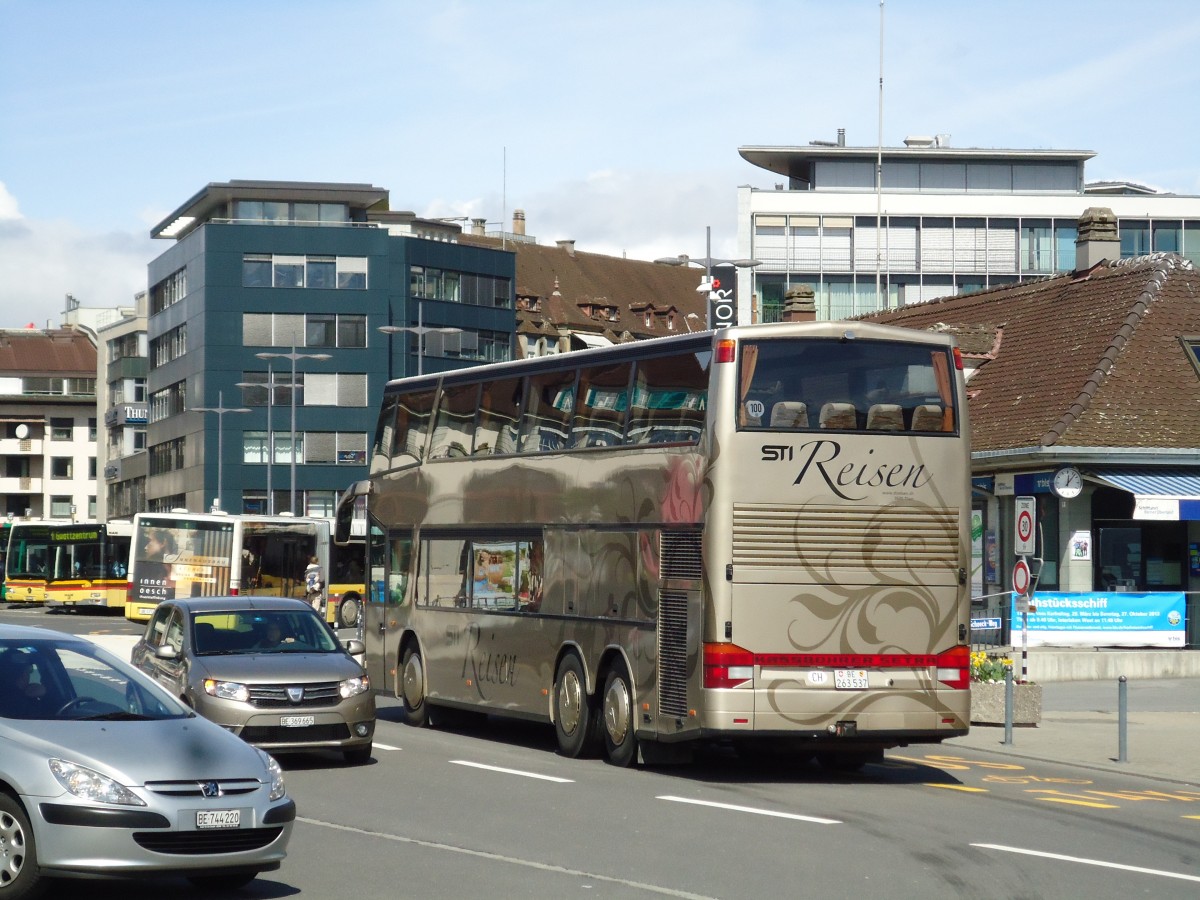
{"x":620,"y":739}
{"x":348,"y":611}
{"x":575,"y":721}
{"x":412,"y":687}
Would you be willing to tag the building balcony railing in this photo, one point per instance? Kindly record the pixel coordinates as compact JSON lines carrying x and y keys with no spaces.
{"x":21,"y":485}
{"x":21,"y":447}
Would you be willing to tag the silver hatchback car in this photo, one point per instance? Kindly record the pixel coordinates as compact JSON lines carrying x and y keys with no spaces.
{"x":267,"y":669}
{"x":103,"y":773}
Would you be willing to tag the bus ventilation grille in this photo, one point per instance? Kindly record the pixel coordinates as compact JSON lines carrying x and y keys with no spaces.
{"x":827,"y":536}
{"x":680,"y":555}
{"x":672,"y":653}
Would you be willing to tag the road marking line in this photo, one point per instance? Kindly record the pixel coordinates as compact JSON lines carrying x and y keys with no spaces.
{"x":512,"y":860}
{"x":379,"y":746}
{"x":1089,"y":862}
{"x":1070,"y":802}
{"x":1190,"y":817}
{"x":957,"y":787}
{"x":475,"y":765}
{"x":750,"y":809}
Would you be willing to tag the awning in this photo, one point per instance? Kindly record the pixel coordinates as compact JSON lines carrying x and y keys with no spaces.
{"x":591,"y":340}
{"x":1167,"y":494}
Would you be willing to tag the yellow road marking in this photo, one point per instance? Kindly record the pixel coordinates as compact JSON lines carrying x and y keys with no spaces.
{"x":957,"y":787}
{"x":1079,"y":802}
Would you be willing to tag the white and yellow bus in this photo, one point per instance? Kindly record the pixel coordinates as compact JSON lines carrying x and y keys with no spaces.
{"x":758,"y":534}
{"x":185,"y":554}
{"x":29,"y":562}
{"x":90,"y":564}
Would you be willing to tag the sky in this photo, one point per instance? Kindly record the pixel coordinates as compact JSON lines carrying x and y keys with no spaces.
{"x":615,"y":124}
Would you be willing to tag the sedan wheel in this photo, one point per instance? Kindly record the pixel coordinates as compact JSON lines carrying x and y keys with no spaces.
{"x":19,"y":874}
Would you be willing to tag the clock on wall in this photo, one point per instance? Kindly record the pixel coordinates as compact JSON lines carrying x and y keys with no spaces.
{"x":1067,"y":482}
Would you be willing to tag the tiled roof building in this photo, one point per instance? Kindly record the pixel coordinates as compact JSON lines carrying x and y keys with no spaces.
{"x":1084,"y":393}
{"x":568,"y":299}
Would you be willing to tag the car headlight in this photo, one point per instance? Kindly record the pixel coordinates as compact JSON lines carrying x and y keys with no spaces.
{"x":352,"y":687}
{"x":226,"y":690}
{"x":277,"y":786}
{"x":88,"y":784}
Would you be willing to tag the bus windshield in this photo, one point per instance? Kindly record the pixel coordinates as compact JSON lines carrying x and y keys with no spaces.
{"x":845,"y":385}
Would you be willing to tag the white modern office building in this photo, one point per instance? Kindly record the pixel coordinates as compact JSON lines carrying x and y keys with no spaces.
{"x":870,"y":228}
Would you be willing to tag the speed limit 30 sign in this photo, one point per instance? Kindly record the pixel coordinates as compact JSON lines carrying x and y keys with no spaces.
{"x":1024,"y":543}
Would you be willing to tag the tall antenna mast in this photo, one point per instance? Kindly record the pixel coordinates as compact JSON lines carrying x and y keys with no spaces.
{"x":879,"y":177}
{"x":504,"y":199}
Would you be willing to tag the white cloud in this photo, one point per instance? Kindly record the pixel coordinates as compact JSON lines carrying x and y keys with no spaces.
{"x":43,"y":261}
{"x":8,"y":204}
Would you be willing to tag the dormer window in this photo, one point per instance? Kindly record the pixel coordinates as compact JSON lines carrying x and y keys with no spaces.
{"x":1191,"y":344}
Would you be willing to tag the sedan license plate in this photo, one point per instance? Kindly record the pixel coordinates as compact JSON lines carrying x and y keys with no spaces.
{"x":218,"y":818}
{"x":296,"y":721}
{"x":850,"y":679}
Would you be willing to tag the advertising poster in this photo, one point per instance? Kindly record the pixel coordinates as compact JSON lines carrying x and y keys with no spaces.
{"x":1123,"y":619}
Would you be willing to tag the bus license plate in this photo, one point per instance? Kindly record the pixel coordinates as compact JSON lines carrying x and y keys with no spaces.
{"x":296,"y":721}
{"x":850,"y":679}
{"x":218,"y":818}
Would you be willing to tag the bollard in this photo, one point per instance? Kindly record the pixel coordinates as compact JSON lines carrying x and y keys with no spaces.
{"x":1008,"y":705}
{"x":1122,"y":719}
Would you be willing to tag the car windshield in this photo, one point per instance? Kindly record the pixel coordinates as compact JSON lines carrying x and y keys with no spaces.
{"x":49,"y":679}
{"x":260,"y":631}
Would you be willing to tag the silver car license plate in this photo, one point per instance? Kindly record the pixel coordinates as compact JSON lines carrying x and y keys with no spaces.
{"x":296,"y":721}
{"x":218,"y":818}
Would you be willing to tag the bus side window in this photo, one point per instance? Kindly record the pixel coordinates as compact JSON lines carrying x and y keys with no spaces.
{"x":413,"y":413}
{"x":548,"y":407}
{"x":499,"y":413}
{"x":599,"y":419}
{"x":455,"y":424}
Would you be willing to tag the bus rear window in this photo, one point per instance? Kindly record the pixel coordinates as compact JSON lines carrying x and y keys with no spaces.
{"x":846,"y":385}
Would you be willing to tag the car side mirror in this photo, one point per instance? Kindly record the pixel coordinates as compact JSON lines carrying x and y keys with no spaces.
{"x":166,"y":651}
{"x":355,"y":647}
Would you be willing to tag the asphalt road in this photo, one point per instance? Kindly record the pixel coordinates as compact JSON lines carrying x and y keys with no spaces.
{"x":490,"y":810}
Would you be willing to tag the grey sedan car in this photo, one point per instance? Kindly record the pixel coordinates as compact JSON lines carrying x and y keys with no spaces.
{"x":267,"y":669}
{"x":103,"y":773}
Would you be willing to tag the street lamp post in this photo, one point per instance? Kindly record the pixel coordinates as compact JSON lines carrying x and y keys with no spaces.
{"x":270,"y":431}
{"x":420,"y":330}
{"x":220,"y":409}
{"x":293,"y":357}
{"x":708,"y":262}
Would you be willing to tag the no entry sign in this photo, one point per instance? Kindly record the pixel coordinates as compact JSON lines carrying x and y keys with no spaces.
{"x":1020,"y":577}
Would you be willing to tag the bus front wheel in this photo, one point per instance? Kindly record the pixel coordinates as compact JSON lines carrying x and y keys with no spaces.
{"x":620,"y":741}
{"x":575,"y":721}
{"x":412,"y":688}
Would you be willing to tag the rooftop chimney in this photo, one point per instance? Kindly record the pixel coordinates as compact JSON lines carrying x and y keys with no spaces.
{"x":800,"y":305}
{"x":1098,"y":240}
{"x":518,"y":221}
{"x":478,"y":226}
{"x":569,"y":246}
{"x":841,"y":137}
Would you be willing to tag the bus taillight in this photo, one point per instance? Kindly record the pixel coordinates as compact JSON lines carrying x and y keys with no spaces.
{"x":957,"y":358}
{"x":726,"y":351}
{"x":954,"y":668}
{"x":727,"y":665}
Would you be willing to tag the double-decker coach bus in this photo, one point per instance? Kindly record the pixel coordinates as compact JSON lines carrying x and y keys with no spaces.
{"x":186,"y":554}
{"x":756,"y":534}
{"x":90,"y":564}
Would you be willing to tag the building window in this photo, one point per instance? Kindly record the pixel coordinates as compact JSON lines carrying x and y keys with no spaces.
{"x":61,"y":467}
{"x":169,"y":291}
{"x":300,"y":271}
{"x":60,"y":507}
{"x":1135,"y":238}
{"x":60,"y":429}
{"x":91,"y":429}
